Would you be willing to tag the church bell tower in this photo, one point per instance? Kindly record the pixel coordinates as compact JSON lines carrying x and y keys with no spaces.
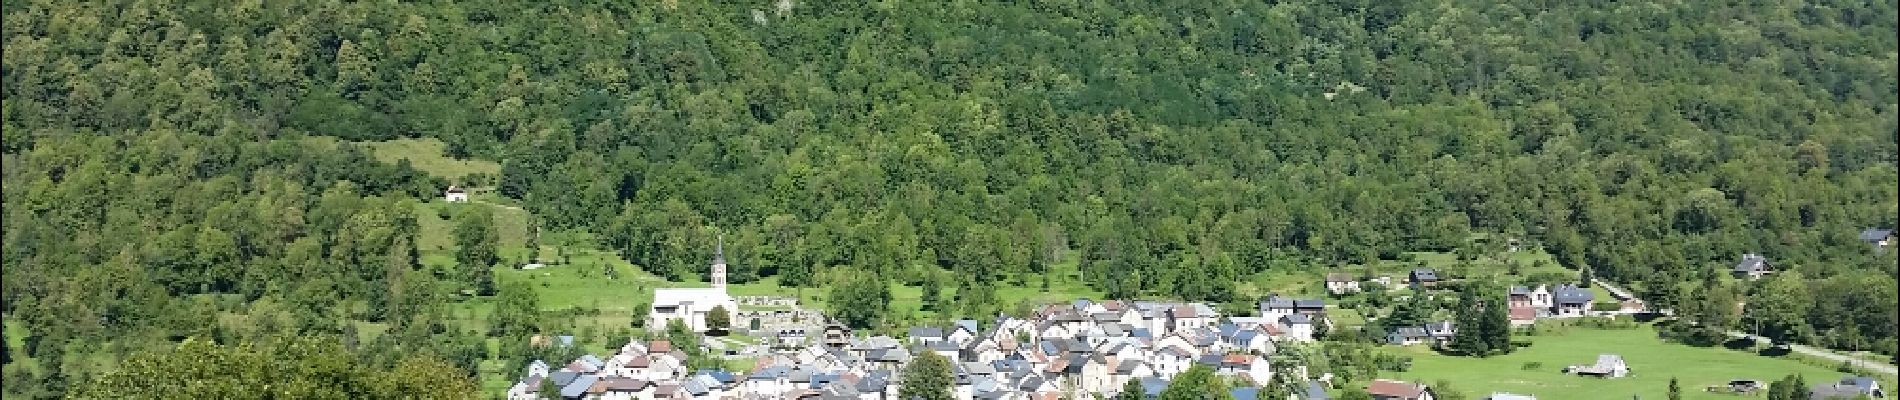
{"x":719,"y":264}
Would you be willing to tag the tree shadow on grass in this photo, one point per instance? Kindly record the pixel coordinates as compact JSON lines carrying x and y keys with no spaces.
{"x":1774,"y":351}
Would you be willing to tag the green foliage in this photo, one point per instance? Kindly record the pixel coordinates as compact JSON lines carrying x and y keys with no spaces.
{"x":927,"y":377}
{"x":860,"y":302}
{"x":1790,"y":387}
{"x":1197,"y":383}
{"x":1416,"y":310}
{"x":1675,"y":390}
{"x":1779,"y":307}
{"x":718,"y":319}
{"x":304,"y":369}
{"x":1168,"y":149}
{"x":932,"y":288}
{"x":1483,"y":321}
{"x":517,"y":312}
{"x":1132,"y":391}
{"x":476,"y":254}
{"x":1442,"y":390}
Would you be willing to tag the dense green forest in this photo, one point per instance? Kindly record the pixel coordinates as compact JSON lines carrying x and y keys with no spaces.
{"x":161,"y":181}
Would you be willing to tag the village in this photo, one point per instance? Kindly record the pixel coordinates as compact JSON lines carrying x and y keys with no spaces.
{"x":1078,"y":349}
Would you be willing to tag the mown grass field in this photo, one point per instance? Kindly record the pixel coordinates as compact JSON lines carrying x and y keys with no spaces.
{"x":1652,"y":362}
{"x":427,"y":156}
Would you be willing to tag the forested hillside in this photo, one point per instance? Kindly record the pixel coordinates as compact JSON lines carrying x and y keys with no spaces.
{"x":157,"y":171}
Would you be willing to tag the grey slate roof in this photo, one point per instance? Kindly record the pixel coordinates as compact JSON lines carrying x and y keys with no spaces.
{"x":872,"y":384}
{"x":562,"y":378}
{"x":978,"y":368}
{"x":1275,"y":301}
{"x":1424,"y":275}
{"x":1751,"y":263}
{"x":1316,"y":391}
{"x":1297,"y":319}
{"x":1571,"y":294}
{"x":1411,"y":332}
{"x":1153,"y":386}
{"x":926,"y":332}
{"x":579,"y":386}
{"x":693,"y":386}
{"x":969,"y":324}
{"x":770,"y":373}
{"x":1874,"y":234}
{"x":802,"y":374}
{"x":1128,"y":367}
{"x":942,"y":346}
{"x":1212,"y":360}
{"x":1029,"y":383}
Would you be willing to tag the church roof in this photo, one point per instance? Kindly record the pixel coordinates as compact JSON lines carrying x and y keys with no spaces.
{"x":677,"y":296}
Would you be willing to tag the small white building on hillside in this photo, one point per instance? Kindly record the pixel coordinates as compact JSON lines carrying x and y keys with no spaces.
{"x":455,"y":194}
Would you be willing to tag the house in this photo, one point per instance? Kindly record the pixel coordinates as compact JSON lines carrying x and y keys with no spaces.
{"x":1298,"y":327}
{"x":1253,"y":368}
{"x":1848,"y":388}
{"x":836,"y":335}
{"x":1879,"y":238}
{"x":1407,"y":336}
{"x":455,"y":194}
{"x":1253,"y":341}
{"x":691,"y":306}
{"x":1607,"y":366}
{"x":1509,"y":396}
{"x":1752,"y":267}
{"x":1275,"y":306}
{"x":1341,"y":283}
{"x":925,"y":335}
{"x":1441,"y":332}
{"x":622,"y":389}
{"x":1538,"y":297}
{"x":1426,"y":277}
{"x":1572,"y":301}
{"x":537,"y":368}
{"x":1309,"y":306}
{"x":963,"y":332}
{"x":1385,"y":389}
{"x":528,"y":388}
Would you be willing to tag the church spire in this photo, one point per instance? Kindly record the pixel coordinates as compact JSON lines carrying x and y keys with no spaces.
{"x":719,"y":263}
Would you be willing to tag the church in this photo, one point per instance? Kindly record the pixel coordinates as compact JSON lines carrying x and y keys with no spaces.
{"x":691,"y":305}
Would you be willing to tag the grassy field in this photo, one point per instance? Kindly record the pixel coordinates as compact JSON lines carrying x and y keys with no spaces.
{"x":1652,"y":362}
{"x":427,"y":155}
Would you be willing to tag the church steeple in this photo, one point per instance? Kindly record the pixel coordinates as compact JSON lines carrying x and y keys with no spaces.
{"x":719,"y":263}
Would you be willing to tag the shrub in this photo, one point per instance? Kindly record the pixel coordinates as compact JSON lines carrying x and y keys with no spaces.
{"x":1533,"y":366}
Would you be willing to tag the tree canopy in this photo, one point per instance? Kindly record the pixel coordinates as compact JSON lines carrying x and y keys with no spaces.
{"x":179,"y":168}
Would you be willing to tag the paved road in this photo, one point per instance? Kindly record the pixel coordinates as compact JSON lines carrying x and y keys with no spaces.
{"x":1614,"y":289}
{"x":1880,"y":367}
{"x":1830,"y":355}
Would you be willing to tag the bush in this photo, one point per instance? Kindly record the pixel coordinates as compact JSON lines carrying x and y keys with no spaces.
{"x":1533,"y":366}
